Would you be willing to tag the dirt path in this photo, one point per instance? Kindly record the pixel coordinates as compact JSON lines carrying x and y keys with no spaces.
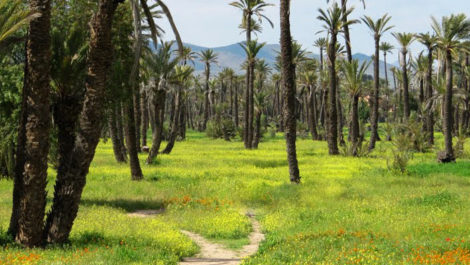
{"x":216,"y":254}
{"x":213,"y":253}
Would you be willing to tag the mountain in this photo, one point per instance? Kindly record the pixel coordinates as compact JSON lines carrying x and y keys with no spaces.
{"x":233,"y":56}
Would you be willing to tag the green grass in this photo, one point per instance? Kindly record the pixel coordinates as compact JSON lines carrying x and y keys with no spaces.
{"x":346,"y":211}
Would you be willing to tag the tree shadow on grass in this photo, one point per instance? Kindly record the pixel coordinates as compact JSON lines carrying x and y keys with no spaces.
{"x":126,"y":204}
{"x":461,"y":169}
{"x":259,"y":163}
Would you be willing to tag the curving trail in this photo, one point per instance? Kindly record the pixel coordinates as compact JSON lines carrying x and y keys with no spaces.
{"x":213,"y":253}
{"x":216,"y":254}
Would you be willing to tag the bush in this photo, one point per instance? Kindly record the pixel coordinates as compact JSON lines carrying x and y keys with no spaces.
{"x":459,"y":147}
{"x":302,"y":130}
{"x":361,"y":149}
{"x":221,"y":125}
{"x":402,"y":152}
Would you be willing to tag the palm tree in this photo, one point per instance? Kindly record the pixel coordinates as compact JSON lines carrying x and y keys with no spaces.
{"x":208,"y":57}
{"x":161,"y":64}
{"x":333,"y":24}
{"x":250,"y":8}
{"x":353,"y":81}
{"x":12,"y":18}
{"x":188,"y":55}
{"x":180,"y":79}
{"x":378,"y":28}
{"x":386,"y":48}
{"x":29,"y":194}
{"x":260,"y":102}
{"x":69,"y":185}
{"x":288,"y":82}
{"x":251,"y":48}
{"x":449,"y":34}
{"x":405,"y":40}
{"x":308,"y":80}
{"x":132,"y":104}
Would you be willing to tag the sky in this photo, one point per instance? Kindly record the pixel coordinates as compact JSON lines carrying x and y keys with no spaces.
{"x":214,"y":23}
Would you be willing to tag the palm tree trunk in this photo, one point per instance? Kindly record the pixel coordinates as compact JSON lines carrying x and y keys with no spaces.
{"x":312,"y":117}
{"x":131,"y":140}
{"x":157,"y":136}
{"x":120,"y":128}
{"x":236,"y":105}
{"x":32,"y":198}
{"x":355,"y":120}
{"x":174,"y":125}
{"x":137,"y":118}
{"x":206,"y":97}
{"x":375,"y":109}
{"x":113,"y":131}
{"x":69,"y":185}
{"x":447,"y":122}
{"x":145,"y":117}
{"x":332,"y":102}
{"x":386,"y":70}
{"x":406,"y":96}
{"x":288,"y":81}
{"x":257,"y":134}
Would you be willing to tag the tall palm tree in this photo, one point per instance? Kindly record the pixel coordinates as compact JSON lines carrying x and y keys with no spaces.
{"x":207,"y":57}
{"x":449,"y":35}
{"x":353,"y":81}
{"x":405,"y":40}
{"x":180,"y":79}
{"x":321,"y":44}
{"x":386,"y":48}
{"x":251,"y":48}
{"x":12,"y":18}
{"x":132,"y":104}
{"x":251,"y":9}
{"x":29,"y":193}
{"x":161,"y":64}
{"x":308,"y":80}
{"x":70,"y":184}
{"x":334,"y":25}
{"x":288,"y":83}
{"x":260,"y":102}
{"x":378,"y":28}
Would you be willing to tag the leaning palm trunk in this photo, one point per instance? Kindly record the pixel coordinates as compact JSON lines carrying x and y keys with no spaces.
{"x":288,"y":83}
{"x":174,"y":124}
{"x":28,"y":212}
{"x":159,"y":116}
{"x":131,"y":140}
{"x":69,"y":184}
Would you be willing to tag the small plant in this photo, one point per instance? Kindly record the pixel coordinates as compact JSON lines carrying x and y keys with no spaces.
{"x":272,"y":129}
{"x":459,"y":148}
{"x":302,"y":130}
{"x":360,"y":149}
{"x":402,"y":152}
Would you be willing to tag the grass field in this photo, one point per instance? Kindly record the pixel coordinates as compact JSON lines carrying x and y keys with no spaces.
{"x":346,"y":211}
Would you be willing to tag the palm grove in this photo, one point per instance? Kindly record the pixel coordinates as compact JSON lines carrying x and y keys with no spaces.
{"x":77,"y":72}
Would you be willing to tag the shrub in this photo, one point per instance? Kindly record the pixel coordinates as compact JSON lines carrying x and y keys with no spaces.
{"x":402,"y":152}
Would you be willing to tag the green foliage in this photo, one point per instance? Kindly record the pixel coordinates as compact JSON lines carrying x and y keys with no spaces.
{"x":402,"y":151}
{"x":11,"y":82}
{"x":221,"y":125}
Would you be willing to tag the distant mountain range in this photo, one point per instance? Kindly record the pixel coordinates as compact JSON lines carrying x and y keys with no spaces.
{"x":233,"y":56}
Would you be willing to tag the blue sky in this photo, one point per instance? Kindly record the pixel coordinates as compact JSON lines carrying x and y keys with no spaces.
{"x":214,"y":23}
